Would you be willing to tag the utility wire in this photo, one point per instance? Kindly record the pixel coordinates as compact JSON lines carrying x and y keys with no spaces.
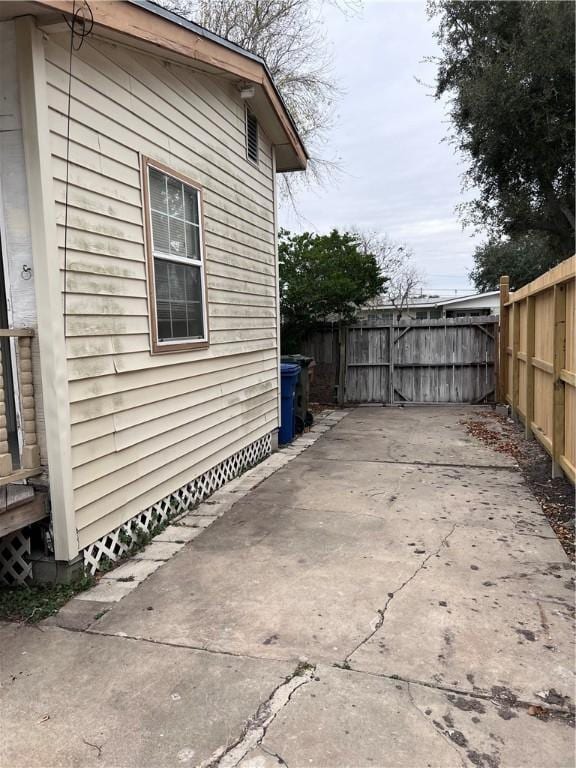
{"x":80,"y":26}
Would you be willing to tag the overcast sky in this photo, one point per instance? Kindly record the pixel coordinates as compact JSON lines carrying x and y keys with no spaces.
{"x":398,"y":177}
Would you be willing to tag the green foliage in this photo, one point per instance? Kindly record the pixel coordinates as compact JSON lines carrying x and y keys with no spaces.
{"x":34,"y":603}
{"x":323,"y":278}
{"x":508,"y":71}
{"x":523,"y":259}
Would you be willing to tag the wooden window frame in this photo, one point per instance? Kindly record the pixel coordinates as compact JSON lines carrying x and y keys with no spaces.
{"x":247,"y":112}
{"x":164,"y":347}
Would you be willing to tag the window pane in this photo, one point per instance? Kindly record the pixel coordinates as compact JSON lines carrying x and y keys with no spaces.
{"x":160,"y":232}
{"x":177,"y":237}
{"x":161,"y":282}
{"x":178,"y":301}
{"x":162,"y":298}
{"x":176,"y":282}
{"x":157,"y":190}
{"x":194,"y":298}
{"x":175,"y":200}
{"x":192,"y":242}
{"x":191,"y":205}
{"x":179,"y":325}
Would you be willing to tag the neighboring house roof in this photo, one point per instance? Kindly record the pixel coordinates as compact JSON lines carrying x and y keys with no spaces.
{"x":458,"y":299}
{"x":155,"y":26}
{"x":426,"y":302}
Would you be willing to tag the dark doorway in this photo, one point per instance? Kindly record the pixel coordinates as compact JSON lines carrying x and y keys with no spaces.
{"x":9,"y":396}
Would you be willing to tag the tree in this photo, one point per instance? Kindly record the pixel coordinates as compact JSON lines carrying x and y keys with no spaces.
{"x":288,"y":35}
{"x":395,"y":261}
{"x":402,"y":286}
{"x":323,"y":278}
{"x":507,"y":69}
{"x":523,"y":259}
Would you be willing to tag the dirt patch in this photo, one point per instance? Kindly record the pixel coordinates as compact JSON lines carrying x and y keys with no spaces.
{"x":556,"y":497}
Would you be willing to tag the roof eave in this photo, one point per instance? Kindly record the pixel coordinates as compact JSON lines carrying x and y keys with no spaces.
{"x":152,"y":24}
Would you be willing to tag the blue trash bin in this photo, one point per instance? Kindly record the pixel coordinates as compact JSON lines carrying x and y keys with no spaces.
{"x":289,"y":376}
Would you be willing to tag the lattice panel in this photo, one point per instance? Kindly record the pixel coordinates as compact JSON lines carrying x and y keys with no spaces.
{"x":121,"y":539}
{"x":15,"y":565}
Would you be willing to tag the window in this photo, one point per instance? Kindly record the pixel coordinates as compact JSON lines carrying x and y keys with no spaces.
{"x":251,"y":137}
{"x":176,"y":264}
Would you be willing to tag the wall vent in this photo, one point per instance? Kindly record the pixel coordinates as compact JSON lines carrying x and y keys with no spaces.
{"x":251,"y":137}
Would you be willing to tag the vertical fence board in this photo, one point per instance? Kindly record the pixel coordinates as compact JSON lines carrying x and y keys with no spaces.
{"x":529,"y":376}
{"x":503,"y":340}
{"x":559,"y":360}
{"x":569,"y":375}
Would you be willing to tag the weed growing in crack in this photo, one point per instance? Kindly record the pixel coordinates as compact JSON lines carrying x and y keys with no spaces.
{"x":303,"y":668}
{"x":344,"y":665}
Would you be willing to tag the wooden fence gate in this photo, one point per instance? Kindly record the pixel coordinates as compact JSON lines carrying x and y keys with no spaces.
{"x":420,"y":361}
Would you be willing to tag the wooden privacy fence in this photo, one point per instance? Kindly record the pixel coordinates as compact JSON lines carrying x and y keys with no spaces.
{"x":538,"y":360}
{"x":413,"y":361}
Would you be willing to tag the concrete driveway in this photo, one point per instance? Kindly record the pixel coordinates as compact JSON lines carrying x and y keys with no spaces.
{"x":393,"y":597}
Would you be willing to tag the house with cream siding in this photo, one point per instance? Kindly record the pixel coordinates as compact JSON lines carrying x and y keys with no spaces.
{"x":139,"y":301}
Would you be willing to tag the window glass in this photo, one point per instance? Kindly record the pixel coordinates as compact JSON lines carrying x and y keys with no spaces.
{"x":177,"y":258}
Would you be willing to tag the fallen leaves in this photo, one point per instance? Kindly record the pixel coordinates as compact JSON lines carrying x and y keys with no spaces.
{"x":537,"y":711}
{"x":555,"y":496}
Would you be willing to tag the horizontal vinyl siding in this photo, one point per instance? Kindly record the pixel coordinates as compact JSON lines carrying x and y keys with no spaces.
{"x":142,"y":424}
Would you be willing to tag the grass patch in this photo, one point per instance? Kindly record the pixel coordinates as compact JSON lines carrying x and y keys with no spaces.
{"x":34,"y":603}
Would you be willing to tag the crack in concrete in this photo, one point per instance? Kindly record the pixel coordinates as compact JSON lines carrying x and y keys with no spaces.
{"x":448,"y":741}
{"x":477,"y":694}
{"x":382,"y":611}
{"x":255,"y":729}
{"x":278,"y":757}
{"x":98,"y":747}
{"x":431,"y":464}
{"x":384,"y":519}
{"x":166,"y":644}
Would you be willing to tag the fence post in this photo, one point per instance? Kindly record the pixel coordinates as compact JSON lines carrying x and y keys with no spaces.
{"x":503,"y":337}
{"x":530,"y":340}
{"x":392,"y":348}
{"x":559,"y":359}
{"x":342,"y":331}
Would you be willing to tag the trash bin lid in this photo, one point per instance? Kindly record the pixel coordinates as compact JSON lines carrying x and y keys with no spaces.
{"x":301,"y":360}
{"x":289,"y":369}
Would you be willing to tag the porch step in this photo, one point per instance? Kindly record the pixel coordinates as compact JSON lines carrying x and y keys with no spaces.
{"x":20,"y":505}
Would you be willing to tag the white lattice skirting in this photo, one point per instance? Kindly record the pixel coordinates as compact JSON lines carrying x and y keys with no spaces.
{"x":15,"y":565}
{"x":121,"y":539}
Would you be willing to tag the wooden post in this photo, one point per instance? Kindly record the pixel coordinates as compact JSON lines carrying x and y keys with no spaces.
{"x":515,"y":348}
{"x":559,"y":361}
{"x":392,"y":349}
{"x":529,"y":390}
{"x":5,"y":455}
{"x":342,"y":331}
{"x":504,"y":324}
{"x":30,"y":450}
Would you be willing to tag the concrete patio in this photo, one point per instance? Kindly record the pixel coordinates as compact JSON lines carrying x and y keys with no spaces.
{"x":394,"y":597}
